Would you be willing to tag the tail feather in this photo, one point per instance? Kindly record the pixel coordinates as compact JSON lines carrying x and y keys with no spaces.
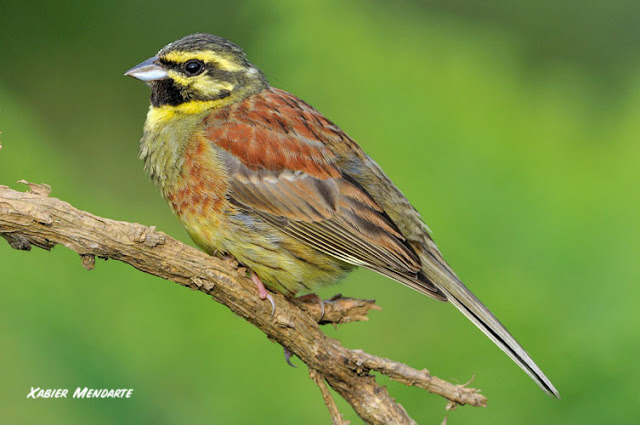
{"x":445,"y":279}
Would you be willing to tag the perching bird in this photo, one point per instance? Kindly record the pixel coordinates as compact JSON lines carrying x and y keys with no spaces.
{"x":254,"y":172}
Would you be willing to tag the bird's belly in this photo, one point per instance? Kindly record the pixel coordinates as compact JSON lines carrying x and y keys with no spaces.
{"x":282,"y":262}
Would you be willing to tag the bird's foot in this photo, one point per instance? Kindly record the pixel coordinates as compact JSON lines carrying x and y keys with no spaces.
{"x":314,"y":298}
{"x":287,"y":356}
{"x":262,"y":291}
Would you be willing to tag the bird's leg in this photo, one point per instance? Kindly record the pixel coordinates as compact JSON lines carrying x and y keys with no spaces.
{"x":314,"y":298}
{"x":262,"y":291}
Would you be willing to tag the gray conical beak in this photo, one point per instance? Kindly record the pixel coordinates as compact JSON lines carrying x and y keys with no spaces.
{"x":147,"y":71}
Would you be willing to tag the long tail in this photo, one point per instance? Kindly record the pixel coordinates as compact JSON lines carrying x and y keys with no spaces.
{"x":440,"y":274}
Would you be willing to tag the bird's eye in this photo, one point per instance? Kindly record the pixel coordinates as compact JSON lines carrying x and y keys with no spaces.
{"x":194,"y":67}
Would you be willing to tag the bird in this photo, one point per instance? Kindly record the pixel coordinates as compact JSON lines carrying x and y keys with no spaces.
{"x":256,"y":173}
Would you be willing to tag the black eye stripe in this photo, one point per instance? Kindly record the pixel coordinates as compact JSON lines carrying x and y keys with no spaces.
{"x":210,"y":67}
{"x":181,"y":66}
{"x":169,"y":64}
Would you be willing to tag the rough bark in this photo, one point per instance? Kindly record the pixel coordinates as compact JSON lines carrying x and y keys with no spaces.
{"x":34,"y":219}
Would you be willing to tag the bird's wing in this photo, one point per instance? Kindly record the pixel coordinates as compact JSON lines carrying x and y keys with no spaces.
{"x":292,"y":182}
{"x":299,"y":171}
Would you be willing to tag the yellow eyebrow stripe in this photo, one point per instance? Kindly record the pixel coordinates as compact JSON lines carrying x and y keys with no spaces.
{"x":205,"y":56}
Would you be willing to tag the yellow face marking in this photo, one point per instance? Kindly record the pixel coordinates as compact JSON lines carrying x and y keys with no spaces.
{"x":161,"y":114}
{"x":205,"y":56}
{"x":201,"y":84}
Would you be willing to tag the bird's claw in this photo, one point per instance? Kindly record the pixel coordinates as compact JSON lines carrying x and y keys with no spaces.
{"x":273,"y":304}
{"x":262,"y":292}
{"x":287,"y":357}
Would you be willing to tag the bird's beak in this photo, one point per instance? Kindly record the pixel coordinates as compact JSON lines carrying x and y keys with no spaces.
{"x":148,"y":71}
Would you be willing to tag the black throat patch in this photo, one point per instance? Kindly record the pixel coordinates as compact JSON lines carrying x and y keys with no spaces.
{"x":166,"y":92}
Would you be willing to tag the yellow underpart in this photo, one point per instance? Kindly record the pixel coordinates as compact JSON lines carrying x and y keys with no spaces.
{"x":206,"y":56}
{"x":160,"y":114}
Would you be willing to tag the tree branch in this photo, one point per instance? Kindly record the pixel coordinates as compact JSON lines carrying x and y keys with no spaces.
{"x":336,"y":417}
{"x":33,"y":218}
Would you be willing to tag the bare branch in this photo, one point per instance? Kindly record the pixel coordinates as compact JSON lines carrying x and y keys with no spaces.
{"x":34,"y":218}
{"x":457,"y":394}
{"x":336,"y":417}
{"x":339,"y":309}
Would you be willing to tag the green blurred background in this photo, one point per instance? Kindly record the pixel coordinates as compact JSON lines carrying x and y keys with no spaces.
{"x":513,"y":128}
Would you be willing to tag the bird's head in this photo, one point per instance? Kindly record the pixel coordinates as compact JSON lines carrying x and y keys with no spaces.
{"x":199,"y":72}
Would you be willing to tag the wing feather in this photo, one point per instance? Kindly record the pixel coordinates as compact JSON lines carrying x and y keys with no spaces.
{"x":292,"y":180}
{"x":314,"y":183}
{"x":332,"y":215}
